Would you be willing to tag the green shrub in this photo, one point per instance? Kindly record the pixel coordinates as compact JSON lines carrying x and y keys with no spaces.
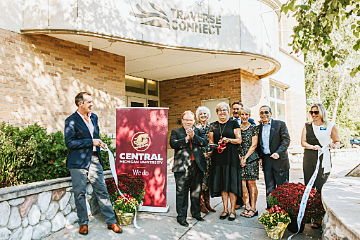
{"x":30,"y":155}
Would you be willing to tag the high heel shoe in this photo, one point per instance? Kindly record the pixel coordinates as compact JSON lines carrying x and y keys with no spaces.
{"x":225,"y":216}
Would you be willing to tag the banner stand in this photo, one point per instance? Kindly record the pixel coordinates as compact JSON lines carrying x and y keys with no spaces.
{"x":154,"y":209}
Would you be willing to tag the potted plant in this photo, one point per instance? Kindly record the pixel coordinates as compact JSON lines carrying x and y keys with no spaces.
{"x":275,"y":221}
{"x":133,"y":188}
{"x":288,"y":196}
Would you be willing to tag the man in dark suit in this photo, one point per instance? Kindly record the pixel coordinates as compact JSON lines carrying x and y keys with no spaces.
{"x":189,"y":166}
{"x":274,"y":141}
{"x":85,"y":163}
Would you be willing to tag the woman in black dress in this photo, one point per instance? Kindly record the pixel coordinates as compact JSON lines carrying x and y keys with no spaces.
{"x":225,"y":165}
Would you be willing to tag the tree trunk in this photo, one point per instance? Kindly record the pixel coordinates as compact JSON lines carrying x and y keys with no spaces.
{"x":339,"y":92}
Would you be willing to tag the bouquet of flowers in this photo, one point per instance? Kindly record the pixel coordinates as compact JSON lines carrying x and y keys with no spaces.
{"x":275,"y":221}
{"x":288,"y":196}
{"x":124,"y":206}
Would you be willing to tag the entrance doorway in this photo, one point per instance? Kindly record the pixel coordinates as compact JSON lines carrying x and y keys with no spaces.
{"x":136,"y":102}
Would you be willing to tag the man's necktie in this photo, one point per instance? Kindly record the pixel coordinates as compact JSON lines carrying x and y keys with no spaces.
{"x":192,"y":155}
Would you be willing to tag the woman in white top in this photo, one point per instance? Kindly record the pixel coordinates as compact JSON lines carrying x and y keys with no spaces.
{"x":316,"y":135}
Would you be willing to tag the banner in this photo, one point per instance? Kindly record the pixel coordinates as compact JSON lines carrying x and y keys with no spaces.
{"x":141,"y":150}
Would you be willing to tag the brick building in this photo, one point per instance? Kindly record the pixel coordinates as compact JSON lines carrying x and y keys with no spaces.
{"x":176,"y":54}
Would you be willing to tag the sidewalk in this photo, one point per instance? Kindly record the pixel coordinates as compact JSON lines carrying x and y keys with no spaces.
{"x":164,"y":225}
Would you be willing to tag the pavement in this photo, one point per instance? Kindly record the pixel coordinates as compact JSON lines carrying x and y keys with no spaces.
{"x":164,"y":225}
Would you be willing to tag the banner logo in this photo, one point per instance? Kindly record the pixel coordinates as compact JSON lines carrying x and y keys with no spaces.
{"x":140,"y":141}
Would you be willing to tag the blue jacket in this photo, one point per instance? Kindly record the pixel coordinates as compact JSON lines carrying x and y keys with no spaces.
{"x":79,"y":141}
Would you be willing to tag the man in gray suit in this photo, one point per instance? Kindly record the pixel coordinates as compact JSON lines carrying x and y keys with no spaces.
{"x":189,"y":166}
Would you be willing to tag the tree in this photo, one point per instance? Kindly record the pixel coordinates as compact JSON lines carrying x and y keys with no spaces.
{"x":318,"y":21}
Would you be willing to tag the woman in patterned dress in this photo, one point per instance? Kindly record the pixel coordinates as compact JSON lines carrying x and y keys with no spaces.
{"x":203,"y":115}
{"x":249,"y":160}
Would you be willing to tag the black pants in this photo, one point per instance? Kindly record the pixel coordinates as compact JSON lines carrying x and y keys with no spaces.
{"x":185,"y":181}
{"x":309,"y":166}
{"x":272,"y":177}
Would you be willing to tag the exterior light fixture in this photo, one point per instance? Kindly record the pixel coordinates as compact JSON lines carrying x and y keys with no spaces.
{"x":90,"y":46}
{"x":200,"y":3}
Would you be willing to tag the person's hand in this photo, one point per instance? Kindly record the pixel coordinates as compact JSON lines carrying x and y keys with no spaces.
{"x":190,"y":132}
{"x":316,"y":147}
{"x":260,"y":164}
{"x":275,"y":156}
{"x":332,"y":146}
{"x":226,"y":140}
{"x":99,"y":143}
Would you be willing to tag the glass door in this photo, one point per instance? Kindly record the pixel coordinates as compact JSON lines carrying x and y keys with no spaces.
{"x":136,"y":102}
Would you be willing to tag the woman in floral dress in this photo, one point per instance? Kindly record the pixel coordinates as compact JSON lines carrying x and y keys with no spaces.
{"x":203,"y":114}
{"x":249,"y":160}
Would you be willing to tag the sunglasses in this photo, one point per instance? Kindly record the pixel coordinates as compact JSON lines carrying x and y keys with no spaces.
{"x":265,"y":112}
{"x":314,"y":112}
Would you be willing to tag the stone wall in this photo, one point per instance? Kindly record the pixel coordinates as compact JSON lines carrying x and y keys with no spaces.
{"x":336,"y":155}
{"x":34,"y":210}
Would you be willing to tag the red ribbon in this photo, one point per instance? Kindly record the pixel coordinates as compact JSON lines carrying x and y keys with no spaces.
{"x":221,"y":147}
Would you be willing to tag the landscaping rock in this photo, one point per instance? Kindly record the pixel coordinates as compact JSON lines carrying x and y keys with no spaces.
{"x":17,"y":234}
{"x":26,"y":205}
{"x":64,"y":200}
{"x":43,"y":201}
{"x":42,"y":216}
{"x":34,"y":215}
{"x":41,"y":230}
{"x":27,"y":233}
{"x":58,"y":194}
{"x":25,"y":222}
{"x":71,"y":218}
{"x":4,"y":233}
{"x":72,"y":201}
{"x":58,"y":222}
{"x":52,"y":210}
{"x":16,"y":202}
{"x":15,"y":219}
{"x":67,"y":210}
{"x":5,"y":213}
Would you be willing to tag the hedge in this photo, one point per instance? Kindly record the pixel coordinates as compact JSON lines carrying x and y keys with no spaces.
{"x":29,"y":154}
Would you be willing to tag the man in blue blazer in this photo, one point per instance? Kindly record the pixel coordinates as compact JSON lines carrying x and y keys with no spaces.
{"x":85,"y":163}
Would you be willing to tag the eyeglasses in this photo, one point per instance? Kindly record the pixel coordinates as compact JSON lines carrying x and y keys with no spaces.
{"x":314,"y":112}
{"x":222,"y":110}
{"x":264,"y":112}
{"x":188,"y":120}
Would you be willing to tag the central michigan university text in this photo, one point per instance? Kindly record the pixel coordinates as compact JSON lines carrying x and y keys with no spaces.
{"x":195,"y":22}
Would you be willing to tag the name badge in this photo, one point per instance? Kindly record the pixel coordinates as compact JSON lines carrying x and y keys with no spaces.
{"x":323,"y":128}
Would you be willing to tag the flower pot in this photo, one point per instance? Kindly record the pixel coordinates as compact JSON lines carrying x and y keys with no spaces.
{"x":276,"y":232}
{"x":124,"y":219}
{"x":293,"y":227}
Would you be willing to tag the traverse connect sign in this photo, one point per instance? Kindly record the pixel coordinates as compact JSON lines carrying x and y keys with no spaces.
{"x":141,"y":150}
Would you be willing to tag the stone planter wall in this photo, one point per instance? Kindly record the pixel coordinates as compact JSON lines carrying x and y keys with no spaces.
{"x":34,"y":210}
{"x":336,"y":155}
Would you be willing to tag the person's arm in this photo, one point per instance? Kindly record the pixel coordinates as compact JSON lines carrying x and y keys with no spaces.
{"x":175,"y":142}
{"x":70,"y":141}
{"x":200,"y":138}
{"x":335,"y":138}
{"x":284,"y":141}
{"x":253,"y":146}
{"x":304,"y":142}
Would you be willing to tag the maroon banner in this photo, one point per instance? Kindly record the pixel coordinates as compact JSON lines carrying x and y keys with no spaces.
{"x":141,"y":150}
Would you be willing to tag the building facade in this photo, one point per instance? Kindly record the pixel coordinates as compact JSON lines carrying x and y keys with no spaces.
{"x":176,"y":54}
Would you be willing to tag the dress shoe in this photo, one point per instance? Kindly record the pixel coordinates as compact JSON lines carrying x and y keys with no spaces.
{"x":199,"y":219}
{"x":225,"y":216}
{"x":183,"y":223}
{"x":232,"y":218}
{"x":115,"y":227}
{"x":83,"y":229}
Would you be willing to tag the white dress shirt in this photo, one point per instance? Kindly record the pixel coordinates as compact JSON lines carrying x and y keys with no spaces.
{"x":90,"y":126}
{"x":265,"y":135}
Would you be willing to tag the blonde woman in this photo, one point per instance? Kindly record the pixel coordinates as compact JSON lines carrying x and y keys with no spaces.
{"x":318,"y":133}
{"x":225,"y":164}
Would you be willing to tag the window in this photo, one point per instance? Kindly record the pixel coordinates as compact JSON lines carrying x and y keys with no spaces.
{"x":141,"y":92}
{"x":277,"y":102}
{"x":134,"y":84}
